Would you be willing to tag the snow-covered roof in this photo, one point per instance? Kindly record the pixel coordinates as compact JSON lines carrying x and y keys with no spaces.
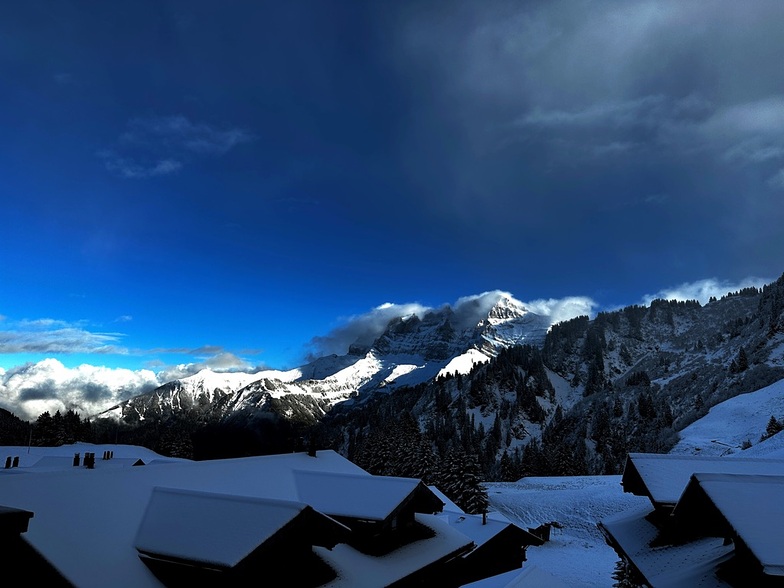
{"x":56,"y":463}
{"x":357,"y":569}
{"x":216,"y":529}
{"x":480,"y":533}
{"x":86,"y":521}
{"x":753,"y":506}
{"x":692,"y":565}
{"x":531,"y":576}
{"x":663,"y":478}
{"x":448,"y":504}
{"x":354,"y":496}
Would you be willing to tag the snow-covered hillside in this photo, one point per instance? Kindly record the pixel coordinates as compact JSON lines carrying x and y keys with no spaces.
{"x":736,"y":423}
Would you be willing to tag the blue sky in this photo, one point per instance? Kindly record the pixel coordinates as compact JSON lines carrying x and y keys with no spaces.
{"x":199,"y":183}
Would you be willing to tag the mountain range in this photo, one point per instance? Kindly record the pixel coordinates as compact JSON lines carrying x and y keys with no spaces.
{"x":499,"y":380}
{"x":411,"y":350}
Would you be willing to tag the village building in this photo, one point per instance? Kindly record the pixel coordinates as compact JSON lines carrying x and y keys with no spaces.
{"x":176,"y":522}
{"x":713,"y":521}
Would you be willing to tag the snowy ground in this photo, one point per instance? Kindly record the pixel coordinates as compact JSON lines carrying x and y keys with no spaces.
{"x":742,"y":418}
{"x":576,"y":554}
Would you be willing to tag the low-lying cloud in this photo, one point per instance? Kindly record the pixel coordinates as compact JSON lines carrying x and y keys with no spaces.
{"x":563,"y":309}
{"x":703,"y":290}
{"x":48,"y":385}
{"x":362,"y":330}
{"x":220,"y":362}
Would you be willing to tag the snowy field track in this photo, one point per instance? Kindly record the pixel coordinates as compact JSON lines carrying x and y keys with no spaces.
{"x":576,"y":553}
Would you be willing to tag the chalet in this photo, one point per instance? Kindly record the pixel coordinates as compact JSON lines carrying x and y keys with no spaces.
{"x":233,"y":521}
{"x":713,"y":521}
{"x":747,"y":512}
{"x":194,"y":538}
{"x":379,"y":510}
{"x":498,"y":545}
{"x":13,"y":524}
{"x":662,"y":478}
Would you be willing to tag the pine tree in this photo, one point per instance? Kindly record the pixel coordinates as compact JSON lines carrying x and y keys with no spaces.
{"x":460,"y":480}
{"x":774,"y":426}
{"x":507,"y":471}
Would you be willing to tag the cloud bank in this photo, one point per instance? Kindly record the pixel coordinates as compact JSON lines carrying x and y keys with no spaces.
{"x":48,"y":385}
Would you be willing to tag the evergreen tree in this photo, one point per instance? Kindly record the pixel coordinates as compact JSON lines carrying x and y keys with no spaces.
{"x":460,"y":480}
{"x":507,"y":471}
{"x":625,"y":576}
{"x":774,"y":426}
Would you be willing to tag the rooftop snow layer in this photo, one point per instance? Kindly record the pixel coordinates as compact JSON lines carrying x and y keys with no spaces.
{"x":753,"y":507}
{"x":219,"y":529}
{"x":355,"y":496}
{"x":89,"y":531}
{"x":692,"y":565}
{"x":664,"y":477}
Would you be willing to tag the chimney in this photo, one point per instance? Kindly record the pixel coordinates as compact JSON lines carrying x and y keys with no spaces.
{"x":8,"y":462}
{"x":77,"y":457}
{"x":16,"y":462}
{"x":89,"y":460}
{"x":484,"y":517}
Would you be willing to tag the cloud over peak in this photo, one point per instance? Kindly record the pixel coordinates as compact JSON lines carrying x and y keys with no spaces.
{"x":362,"y":330}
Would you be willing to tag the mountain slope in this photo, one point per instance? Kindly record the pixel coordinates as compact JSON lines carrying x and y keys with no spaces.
{"x":629,"y":380}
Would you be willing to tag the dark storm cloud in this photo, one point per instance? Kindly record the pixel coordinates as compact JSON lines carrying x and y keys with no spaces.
{"x":556,"y":109}
{"x":94,"y":392}
{"x":43,"y":391}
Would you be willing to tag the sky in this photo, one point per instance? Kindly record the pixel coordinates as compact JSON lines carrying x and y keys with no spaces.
{"x":189,"y":184}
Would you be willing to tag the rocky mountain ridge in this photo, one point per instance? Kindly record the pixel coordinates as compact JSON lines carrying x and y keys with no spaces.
{"x":411,"y":350}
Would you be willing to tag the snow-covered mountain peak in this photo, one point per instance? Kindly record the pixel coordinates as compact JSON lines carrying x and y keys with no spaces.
{"x":206,"y":379}
{"x":506,"y":308}
{"x":412,"y":348}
